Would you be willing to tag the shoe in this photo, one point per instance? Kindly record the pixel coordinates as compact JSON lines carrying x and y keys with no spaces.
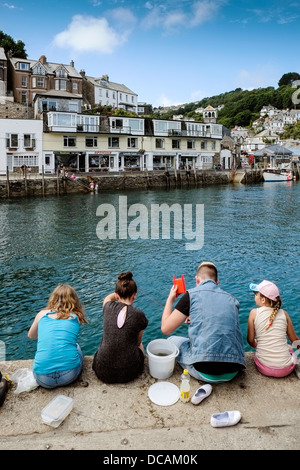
{"x":3,"y":389}
{"x":201,"y":393}
{"x":228,"y":418}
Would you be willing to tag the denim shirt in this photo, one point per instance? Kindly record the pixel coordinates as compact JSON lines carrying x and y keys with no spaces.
{"x":214,"y":330}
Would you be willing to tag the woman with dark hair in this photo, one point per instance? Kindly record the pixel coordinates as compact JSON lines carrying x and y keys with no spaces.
{"x":120,"y":356}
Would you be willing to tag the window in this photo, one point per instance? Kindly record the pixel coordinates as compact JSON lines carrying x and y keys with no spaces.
{"x":73,"y":107}
{"x":75,"y":86}
{"x":69,"y":141}
{"x":24,"y":97}
{"x":33,"y":82}
{"x":203,"y":145}
{"x":24,"y":81}
{"x":213,"y":145}
{"x":132,"y":142}
{"x":117,"y":123}
{"x":190,"y":144}
{"x":61,"y":73}
{"x":175,"y":144}
{"x":12,"y":141}
{"x":160,"y":143}
{"x":61,"y":85}
{"x":23,"y":66}
{"x":40,"y":82}
{"x":107,"y":94}
{"x":113,"y":142}
{"x":29,"y":141}
{"x":91,"y":142}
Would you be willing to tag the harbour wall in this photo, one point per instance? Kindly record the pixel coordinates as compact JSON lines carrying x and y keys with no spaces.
{"x":40,"y":185}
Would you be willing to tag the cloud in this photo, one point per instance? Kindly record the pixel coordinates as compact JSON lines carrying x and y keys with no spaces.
{"x":11,"y":7}
{"x":204,"y":11}
{"x":87,"y":33}
{"x":169,"y":15}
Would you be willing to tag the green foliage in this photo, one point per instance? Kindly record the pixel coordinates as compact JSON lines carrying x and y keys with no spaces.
{"x":17,"y":48}
{"x":291,"y":132}
{"x":288,"y":78}
{"x":240,"y":107}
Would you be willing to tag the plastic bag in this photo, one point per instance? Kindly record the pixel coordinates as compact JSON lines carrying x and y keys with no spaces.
{"x":25,"y":380}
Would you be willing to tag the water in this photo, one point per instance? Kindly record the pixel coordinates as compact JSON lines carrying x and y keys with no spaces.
{"x":250,"y":232}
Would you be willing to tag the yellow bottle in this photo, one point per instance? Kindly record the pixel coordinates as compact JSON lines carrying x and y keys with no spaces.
{"x":185,"y":386}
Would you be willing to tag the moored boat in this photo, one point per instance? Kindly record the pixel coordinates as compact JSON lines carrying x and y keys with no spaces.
{"x":275,"y":174}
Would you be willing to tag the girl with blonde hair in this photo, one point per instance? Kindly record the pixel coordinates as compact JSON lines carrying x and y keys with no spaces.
{"x":268,"y":328}
{"x":58,"y":359}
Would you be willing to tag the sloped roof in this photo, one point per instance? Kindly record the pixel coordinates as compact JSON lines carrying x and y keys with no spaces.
{"x":50,"y":67}
{"x":58,"y":94}
{"x":110,"y":85}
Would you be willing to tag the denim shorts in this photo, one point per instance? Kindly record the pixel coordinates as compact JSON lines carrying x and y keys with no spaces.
{"x":61,"y":377}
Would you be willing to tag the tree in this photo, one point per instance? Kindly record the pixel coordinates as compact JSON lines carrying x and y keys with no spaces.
{"x":17,"y":48}
{"x":288,"y":78}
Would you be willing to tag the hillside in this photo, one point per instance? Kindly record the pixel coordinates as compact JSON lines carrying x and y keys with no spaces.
{"x":240,"y":107}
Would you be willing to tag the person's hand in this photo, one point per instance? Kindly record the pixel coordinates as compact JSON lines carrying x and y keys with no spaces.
{"x":188,"y":320}
{"x":173,"y":293}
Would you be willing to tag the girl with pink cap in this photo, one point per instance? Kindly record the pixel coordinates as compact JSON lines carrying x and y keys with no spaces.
{"x":268,"y":328}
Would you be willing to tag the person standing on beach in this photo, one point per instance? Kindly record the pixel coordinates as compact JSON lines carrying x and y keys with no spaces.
{"x":214,"y":350}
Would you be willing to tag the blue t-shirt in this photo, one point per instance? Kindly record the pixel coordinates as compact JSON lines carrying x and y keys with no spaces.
{"x":57,"y":345}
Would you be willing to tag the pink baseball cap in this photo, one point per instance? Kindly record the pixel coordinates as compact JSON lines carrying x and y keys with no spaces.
{"x":266,"y":288}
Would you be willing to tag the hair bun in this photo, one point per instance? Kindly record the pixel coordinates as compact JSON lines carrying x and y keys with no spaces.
{"x":125,"y":276}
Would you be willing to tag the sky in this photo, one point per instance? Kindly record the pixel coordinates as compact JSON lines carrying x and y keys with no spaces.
{"x":167,"y":52}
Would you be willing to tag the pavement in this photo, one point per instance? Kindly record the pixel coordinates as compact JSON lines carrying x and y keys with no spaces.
{"x":122,"y":417}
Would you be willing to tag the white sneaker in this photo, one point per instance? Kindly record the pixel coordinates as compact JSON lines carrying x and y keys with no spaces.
{"x":201,"y":393}
{"x":228,"y":418}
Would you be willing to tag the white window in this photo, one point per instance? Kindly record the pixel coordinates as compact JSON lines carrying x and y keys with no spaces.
{"x":175,"y":144}
{"x":160,"y":143}
{"x":69,"y":141}
{"x":113,"y":142}
{"x":91,"y":142}
{"x":40,"y":82}
{"x":12,"y":140}
{"x":132,"y":142}
{"x":190,"y":144}
{"x":24,"y":82}
{"x":23,"y":66}
{"x":73,"y":107}
{"x":29,"y":141}
{"x":75,"y":86}
{"x":33,"y":82}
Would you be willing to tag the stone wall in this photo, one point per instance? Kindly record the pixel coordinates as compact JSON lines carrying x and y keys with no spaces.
{"x":52,"y":185}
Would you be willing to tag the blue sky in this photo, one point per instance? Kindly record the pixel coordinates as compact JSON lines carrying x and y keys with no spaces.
{"x":168,"y":52}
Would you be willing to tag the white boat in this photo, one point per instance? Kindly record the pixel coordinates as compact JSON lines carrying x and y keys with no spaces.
{"x":274,"y":174}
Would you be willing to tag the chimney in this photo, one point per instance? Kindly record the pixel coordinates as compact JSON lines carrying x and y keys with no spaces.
{"x":72,"y":63}
{"x":82,"y":73}
{"x":43,"y":59}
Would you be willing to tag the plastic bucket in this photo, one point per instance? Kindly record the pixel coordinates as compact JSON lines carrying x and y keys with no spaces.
{"x":161,"y":358}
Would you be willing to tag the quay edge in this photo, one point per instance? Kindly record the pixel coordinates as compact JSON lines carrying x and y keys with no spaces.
{"x":121,"y":417}
{"x":40,"y":185}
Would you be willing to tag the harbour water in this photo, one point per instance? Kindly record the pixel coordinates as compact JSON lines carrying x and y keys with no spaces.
{"x":250,"y":232}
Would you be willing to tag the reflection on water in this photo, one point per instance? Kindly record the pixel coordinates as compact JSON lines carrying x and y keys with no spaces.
{"x":250,"y":232}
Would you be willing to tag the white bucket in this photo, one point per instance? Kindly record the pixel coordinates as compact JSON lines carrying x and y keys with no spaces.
{"x":161,"y":358}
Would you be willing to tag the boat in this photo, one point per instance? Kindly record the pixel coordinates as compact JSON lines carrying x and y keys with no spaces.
{"x":275,"y":174}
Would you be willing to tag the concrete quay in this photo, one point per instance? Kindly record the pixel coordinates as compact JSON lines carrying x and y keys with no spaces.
{"x":122,"y":417}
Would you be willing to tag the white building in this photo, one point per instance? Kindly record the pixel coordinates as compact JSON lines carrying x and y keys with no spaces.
{"x":20,"y":144}
{"x":107,"y":93}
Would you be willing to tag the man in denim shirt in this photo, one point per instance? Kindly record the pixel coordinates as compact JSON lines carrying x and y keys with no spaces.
{"x":214,"y":350}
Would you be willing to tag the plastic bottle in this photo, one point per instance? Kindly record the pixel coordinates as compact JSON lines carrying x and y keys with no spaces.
{"x":185,"y":386}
